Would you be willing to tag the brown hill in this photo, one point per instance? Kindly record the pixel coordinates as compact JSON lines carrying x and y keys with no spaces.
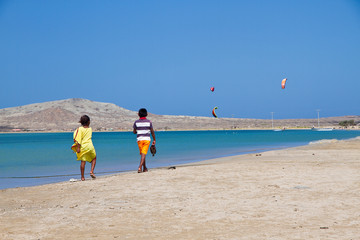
{"x":63,"y":115}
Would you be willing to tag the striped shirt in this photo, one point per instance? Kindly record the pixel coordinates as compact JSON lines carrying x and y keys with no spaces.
{"x":143,"y":127}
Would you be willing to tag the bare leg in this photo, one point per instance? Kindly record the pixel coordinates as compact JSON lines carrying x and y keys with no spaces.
{"x":82,"y":170}
{"x":144,"y":165}
{"x":142,"y":162}
{"x":93,"y":163}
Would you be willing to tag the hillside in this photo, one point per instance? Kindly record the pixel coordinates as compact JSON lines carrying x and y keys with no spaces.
{"x":63,"y":115}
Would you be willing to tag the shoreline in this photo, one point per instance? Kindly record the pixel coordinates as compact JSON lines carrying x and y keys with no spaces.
{"x":305,"y":192}
{"x":16,"y":181}
{"x":114,"y":173}
{"x":190,"y":130}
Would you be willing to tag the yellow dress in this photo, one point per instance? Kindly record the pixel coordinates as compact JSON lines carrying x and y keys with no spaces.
{"x":83,"y":136}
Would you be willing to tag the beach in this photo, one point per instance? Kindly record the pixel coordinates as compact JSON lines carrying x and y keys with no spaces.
{"x":307,"y":192}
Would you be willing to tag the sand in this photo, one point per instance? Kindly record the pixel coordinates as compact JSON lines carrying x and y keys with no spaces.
{"x":309,"y":192}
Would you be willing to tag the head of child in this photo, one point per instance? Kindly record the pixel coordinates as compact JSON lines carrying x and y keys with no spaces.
{"x":142,"y":112}
{"x":85,"y":120}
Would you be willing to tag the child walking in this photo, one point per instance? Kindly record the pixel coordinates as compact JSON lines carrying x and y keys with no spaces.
{"x":83,"y":146}
{"x":143,"y":127}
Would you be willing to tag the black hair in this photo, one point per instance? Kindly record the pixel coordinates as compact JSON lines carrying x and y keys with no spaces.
{"x":142,"y":112}
{"x":84,"y":120}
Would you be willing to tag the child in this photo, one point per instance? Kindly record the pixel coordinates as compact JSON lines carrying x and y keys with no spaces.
{"x":143,"y":127}
{"x":84,"y":147}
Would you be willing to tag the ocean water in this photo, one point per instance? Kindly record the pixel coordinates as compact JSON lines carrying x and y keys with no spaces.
{"x":28,"y":159}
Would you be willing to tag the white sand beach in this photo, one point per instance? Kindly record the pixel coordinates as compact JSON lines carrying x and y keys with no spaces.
{"x":309,"y":192}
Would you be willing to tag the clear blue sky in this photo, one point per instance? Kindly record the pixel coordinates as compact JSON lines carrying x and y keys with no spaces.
{"x":165,"y":55}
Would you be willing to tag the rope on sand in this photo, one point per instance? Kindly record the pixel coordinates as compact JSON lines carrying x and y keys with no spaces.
{"x":54,"y":176}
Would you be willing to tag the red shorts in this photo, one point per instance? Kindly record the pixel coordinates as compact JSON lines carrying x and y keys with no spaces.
{"x":143,"y":146}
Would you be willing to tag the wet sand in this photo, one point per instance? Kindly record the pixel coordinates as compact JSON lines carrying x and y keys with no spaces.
{"x":309,"y":192}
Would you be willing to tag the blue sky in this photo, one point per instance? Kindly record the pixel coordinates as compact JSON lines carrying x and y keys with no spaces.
{"x":165,"y":55}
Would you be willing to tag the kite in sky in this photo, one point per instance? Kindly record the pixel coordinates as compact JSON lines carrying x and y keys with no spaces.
{"x":283,"y":82}
{"x":213,"y":112}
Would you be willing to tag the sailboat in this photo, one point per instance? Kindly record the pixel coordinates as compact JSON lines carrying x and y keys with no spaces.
{"x":319,"y":128}
{"x":272,"y":124}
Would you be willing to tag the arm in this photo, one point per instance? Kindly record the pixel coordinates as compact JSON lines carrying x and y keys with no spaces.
{"x":78,"y":147}
{"x":134,"y":128}
{"x":153,"y":135}
{"x":77,"y":140}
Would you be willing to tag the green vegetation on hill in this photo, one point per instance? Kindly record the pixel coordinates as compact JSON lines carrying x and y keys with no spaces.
{"x":347,"y":123}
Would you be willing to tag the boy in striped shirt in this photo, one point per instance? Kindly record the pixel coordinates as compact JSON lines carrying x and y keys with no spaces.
{"x":143,"y":127}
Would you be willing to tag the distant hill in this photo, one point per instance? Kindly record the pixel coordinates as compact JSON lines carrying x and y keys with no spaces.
{"x":63,"y":115}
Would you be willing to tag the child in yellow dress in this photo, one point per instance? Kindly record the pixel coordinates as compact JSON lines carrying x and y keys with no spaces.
{"x":83,"y":146}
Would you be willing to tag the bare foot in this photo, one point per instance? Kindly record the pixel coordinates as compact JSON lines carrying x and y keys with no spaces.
{"x":92,"y":175}
{"x":82,"y":179}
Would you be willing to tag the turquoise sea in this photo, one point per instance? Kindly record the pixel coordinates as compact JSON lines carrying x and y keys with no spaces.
{"x":28,"y":159}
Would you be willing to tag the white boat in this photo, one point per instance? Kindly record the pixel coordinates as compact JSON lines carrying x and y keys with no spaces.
{"x":272,"y":124}
{"x":278,"y":130}
{"x":319,"y":128}
{"x":322,"y":129}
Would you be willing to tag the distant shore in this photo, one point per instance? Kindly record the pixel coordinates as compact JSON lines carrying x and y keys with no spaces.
{"x":169,"y":130}
{"x":63,"y":115}
{"x":308,"y":192}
